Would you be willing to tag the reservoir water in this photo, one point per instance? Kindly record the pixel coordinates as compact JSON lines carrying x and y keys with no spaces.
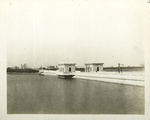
{"x":33,"y":94}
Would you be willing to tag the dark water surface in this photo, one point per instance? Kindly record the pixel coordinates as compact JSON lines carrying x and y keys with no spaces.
{"x":33,"y":94}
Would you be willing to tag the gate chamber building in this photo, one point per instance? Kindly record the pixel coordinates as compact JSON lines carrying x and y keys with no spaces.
{"x":93,"y":67}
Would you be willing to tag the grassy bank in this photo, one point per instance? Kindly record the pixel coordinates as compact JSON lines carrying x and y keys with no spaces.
{"x":124,"y":69}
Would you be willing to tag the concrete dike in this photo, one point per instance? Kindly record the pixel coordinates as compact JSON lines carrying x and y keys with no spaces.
{"x":128,"y":78}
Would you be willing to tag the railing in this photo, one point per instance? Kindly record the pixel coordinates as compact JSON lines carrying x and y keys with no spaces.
{"x":47,"y":71}
{"x":123,"y":74}
{"x":142,"y":74}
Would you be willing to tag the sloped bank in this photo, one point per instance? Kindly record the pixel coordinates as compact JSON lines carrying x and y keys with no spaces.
{"x":128,"y":79}
{"x":113,"y":80}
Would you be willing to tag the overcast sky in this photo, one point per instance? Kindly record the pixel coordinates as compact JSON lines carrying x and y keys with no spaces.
{"x":46,"y":32}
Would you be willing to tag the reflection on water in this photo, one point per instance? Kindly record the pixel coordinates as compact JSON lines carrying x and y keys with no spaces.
{"x":33,"y":94}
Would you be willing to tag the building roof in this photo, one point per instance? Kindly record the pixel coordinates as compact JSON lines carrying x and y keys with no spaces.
{"x":93,"y":63}
{"x":67,"y":63}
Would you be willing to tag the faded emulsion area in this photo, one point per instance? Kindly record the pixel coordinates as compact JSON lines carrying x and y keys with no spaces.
{"x":33,"y":94}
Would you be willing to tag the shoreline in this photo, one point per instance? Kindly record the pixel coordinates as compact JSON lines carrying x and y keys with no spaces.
{"x":130,"y":78}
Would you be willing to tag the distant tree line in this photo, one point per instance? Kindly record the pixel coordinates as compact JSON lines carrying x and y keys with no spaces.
{"x":109,"y":69}
{"x":22,"y":70}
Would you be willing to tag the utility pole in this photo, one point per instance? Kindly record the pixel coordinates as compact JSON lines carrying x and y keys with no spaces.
{"x":119,"y":67}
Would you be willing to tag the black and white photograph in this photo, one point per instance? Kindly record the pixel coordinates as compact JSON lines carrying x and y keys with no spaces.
{"x":75,"y":57}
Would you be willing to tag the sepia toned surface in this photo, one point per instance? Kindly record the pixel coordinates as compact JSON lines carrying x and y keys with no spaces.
{"x":21,"y":24}
{"x":33,"y":94}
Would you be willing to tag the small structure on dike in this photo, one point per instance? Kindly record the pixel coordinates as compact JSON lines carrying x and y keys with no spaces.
{"x":93,"y":67}
{"x":66,"y":69}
